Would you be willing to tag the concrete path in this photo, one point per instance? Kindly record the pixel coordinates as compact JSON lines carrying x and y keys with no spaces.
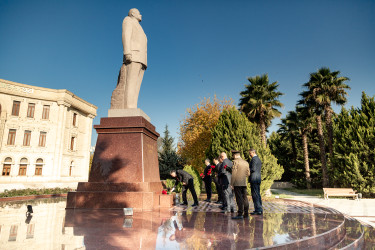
{"x":363,"y":210}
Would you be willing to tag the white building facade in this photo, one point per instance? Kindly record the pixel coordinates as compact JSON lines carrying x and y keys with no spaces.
{"x":45,"y":137}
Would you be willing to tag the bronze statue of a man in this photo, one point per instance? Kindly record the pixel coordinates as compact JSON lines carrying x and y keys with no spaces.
{"x":134,"y":41}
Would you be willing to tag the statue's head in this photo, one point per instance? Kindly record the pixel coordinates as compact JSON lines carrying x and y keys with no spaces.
{"x":135,"y":13}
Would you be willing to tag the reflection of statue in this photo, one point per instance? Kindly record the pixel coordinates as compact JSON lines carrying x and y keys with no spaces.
{"x":134,"y":41}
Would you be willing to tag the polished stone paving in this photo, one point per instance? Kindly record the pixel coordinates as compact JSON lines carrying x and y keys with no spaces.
{"x":285,"y":224}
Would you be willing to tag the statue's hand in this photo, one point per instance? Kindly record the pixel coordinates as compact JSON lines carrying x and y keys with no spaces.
{"x":128,"y":58}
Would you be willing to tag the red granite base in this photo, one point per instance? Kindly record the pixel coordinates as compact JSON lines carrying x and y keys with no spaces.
{"x":125,"y":168}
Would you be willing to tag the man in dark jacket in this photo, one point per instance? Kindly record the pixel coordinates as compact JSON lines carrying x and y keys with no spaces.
{"x":187,"y":183}
{"x":207,"y":179}
{"x":255,"y":180}
{"x":225,"y":175}
{"x":215,"y":178}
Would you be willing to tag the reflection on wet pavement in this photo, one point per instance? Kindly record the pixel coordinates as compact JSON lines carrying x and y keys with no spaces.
{"x":285,"y":224}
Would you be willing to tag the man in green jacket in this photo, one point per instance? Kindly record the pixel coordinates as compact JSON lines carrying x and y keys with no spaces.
{"x":240,"y":172}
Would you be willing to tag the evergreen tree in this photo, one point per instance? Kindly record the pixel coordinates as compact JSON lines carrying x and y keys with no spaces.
{"x":167,"y":141}
{"x":354,"y":148}
{"x":168,"y":158}
{"x":235,"y":131}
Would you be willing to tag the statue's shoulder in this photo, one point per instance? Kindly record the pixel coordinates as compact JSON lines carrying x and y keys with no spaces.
{"x":127,"y":19}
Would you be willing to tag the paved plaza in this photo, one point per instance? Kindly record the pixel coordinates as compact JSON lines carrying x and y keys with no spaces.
{"x":285,"y":224}
{"x":363,"y":209}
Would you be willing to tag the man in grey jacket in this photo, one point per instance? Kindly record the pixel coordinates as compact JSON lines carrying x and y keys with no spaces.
{"x":255,"y":181}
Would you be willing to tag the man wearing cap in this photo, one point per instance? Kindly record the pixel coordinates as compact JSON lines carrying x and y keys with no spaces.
{"x":226,"y":175}
{"x":240,"y":172}
{"x":255,"y":180}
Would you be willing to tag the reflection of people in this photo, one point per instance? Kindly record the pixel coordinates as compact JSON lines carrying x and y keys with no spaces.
{"x":225,"y":177}
{"x":240,"y":172}
{"x":134,"y":41}
{"x":187,"y":183}
{"x":207,"y":179}
{"x":187,"y":229}
{"x":255,"y":180}
{"x":216,"y":181}
{"x":258,"y":232}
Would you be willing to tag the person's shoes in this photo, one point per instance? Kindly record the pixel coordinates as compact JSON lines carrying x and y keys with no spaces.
{"x":219,"y":202}
{"x":232,"y":210}
{"x":256,"y":213}
{"x":246,"y":215}
{"x":238,"y":217}
{"x":183,"y":204}
{"x":195,"y":205}
{"x":207,"y":200}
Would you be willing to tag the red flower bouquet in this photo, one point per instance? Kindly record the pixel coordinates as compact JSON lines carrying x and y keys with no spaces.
{"x":225,"y":167}
{"x":164,"y":192}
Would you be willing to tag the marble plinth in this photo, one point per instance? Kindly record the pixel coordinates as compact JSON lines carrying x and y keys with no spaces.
{"x":128,"y":113}
{"x":125,"y":168}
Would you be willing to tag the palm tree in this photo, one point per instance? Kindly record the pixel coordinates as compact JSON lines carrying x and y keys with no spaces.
{"x":327,"y":87}
{"x":305,"y":120}
{"x":288,"y":129}
{"x":308,"y":101}
{"x":259,"y":101}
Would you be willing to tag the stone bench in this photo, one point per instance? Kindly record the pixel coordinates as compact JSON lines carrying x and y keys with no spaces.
{"x":343,"y":192}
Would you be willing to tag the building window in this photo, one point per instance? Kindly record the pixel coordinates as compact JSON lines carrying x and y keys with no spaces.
{"x":16,"y":108}
{"x":11,"y":137}
{"x":72,"y":143}
{"x":31,"y":110}
{"x":7,"y":166}
{"x":45,"y":114}
{"x":13,"y":233}
{"x":42,"y":139}
{"x":71,"y":168}
{"x":26,"y":138}
{"x":39,"y":166}
{"x":75,"y":119}
{"x":30,"y":231}
{"x":23,"y":166}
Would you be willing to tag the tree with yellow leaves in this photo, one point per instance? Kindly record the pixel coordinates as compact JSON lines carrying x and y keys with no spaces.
{"x":195,"y":130}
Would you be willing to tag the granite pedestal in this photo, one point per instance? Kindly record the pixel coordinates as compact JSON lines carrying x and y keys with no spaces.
{"x":125,"y":168}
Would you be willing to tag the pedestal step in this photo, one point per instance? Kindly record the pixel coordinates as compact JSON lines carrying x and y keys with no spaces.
{"x":139,"y":201}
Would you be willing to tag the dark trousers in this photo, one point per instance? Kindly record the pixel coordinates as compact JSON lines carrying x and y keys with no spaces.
{"x":228,"y":197}
{"x":255,"y":194}
{"x":190,"y":186}
{"x":241,"y":199}
{"x":207,"y":185}
{"x":218,"y":189}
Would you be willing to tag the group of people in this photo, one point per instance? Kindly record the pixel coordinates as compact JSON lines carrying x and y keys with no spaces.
{"x":230,"y":181}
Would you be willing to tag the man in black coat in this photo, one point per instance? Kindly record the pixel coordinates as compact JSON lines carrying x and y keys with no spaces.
{"x":225,"y":175}
{"x":255,"y":180}
{"x":207,"y":179}
{"x":215,"y":179}
{"x":187,"y":183}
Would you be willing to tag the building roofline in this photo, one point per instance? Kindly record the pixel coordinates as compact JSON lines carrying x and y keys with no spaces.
{"x":91,"y":109}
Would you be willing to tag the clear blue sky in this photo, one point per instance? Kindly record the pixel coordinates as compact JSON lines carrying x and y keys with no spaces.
{"x":195,"y":48}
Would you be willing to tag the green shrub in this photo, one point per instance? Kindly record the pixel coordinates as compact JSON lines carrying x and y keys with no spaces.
{"x":170,"y":184}
{"x":29,"y":191}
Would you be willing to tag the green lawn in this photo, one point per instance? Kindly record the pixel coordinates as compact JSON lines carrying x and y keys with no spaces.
{"x":281,"y":196}
{"x":312,"y":192}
